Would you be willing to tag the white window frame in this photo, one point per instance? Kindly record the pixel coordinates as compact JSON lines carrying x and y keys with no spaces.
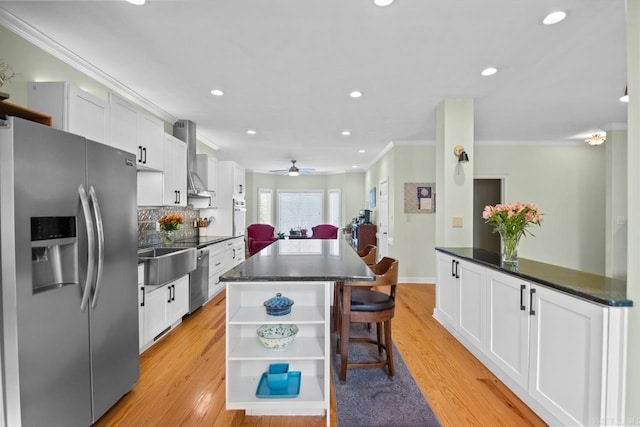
{"x":321,"y":192}
{"x":267,"y":192}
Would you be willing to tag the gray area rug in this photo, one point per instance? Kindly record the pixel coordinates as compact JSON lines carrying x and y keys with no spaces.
{"x":370,"y":397}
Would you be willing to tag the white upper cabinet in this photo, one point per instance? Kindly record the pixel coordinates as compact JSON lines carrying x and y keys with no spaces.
{"x":136,"y":131}
{"x":175,"y":171}
{"x":71,"y":109}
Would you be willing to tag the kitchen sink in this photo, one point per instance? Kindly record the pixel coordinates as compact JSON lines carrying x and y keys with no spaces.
{"x":162,"y":265}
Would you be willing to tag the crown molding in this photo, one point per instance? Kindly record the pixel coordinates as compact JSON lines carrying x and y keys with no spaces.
{"x":47,"y":44}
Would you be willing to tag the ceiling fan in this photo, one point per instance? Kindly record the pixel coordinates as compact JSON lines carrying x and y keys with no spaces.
{"x":294,"y":170}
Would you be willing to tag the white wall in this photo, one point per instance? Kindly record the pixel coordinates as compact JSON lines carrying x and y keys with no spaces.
{"x":633,"y":200}
{"x":567,"y":182}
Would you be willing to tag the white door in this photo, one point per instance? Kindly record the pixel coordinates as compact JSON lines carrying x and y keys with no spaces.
{"x":383,"y":218}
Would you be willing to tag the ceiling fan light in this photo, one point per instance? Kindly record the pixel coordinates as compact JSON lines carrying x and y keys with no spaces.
{"x":294,"y":172}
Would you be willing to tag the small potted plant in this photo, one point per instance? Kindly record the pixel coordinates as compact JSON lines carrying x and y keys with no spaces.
{"x":347,"y":228}
{"x":280,"y":235}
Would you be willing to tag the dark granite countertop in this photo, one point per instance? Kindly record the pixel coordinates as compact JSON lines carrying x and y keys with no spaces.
{"x":592,"y":287}
{"x":302,"y":260}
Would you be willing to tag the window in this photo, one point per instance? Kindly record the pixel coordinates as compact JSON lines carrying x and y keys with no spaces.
{"x":301,"y":209}
{"x":265,"y":206}
{"x":334,"y":208}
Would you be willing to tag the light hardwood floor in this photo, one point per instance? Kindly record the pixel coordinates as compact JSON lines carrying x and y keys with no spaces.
{"x":182,"y":376}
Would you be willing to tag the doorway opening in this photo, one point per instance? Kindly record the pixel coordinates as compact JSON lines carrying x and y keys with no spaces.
{"x":485,"y":192}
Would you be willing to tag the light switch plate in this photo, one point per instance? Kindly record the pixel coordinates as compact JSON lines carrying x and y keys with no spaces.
{"x":457,"y":222}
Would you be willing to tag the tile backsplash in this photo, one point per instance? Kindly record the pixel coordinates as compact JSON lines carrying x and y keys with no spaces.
{"x":149,"y":234}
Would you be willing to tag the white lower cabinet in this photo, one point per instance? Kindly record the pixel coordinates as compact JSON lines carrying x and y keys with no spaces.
{"x":164,"y":308}
{"x":447,"y":295}
{"x":472,"y":304}
{"x":562,"y":355}
{"x":566,"y":370}
{"x":309,"y":353}
{"x":508,"y":326}
{"x":218,"y":264}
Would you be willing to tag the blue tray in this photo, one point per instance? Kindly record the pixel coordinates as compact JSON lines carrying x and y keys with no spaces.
{"x":292,"y":390}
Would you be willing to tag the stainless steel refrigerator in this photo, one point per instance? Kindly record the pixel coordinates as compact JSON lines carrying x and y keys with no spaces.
{"x":68,"y":252}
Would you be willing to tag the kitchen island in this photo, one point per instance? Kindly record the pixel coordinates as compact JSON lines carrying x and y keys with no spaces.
{"x":555,"y":336}
{"x":304,"y":271}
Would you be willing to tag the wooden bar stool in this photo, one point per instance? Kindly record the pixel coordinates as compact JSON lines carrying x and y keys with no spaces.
{"x":368,"y":256}
{"x":357,"y":303}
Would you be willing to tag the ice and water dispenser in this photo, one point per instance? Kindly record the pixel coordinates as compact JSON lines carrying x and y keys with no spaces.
{"x":54,"y":252}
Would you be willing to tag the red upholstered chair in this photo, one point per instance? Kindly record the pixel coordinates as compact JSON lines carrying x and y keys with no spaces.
{"x":324,"y":231}
{"x":259,"y":236}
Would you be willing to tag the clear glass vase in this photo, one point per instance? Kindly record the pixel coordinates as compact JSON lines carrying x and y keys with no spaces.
{"x":509,"y":244}
{"x":168,"y":236}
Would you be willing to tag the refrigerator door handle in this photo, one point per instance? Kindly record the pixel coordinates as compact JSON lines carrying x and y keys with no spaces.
{"x":91,"y":262}
{"x":100,"y":235}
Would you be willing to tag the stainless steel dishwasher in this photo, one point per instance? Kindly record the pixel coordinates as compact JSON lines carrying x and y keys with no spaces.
{"x":199,"y":280}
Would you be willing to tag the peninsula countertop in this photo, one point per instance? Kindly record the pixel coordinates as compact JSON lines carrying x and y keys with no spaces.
{"x":592,"y":287}
{"x":302,"y":260}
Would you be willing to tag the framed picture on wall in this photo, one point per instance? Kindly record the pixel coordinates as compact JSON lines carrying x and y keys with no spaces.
{"x":419,"y":197}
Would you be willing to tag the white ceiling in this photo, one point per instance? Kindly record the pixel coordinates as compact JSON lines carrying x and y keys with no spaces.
{"x":287,"y":68}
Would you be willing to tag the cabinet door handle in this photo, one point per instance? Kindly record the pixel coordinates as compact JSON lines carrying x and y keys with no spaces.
{"x":453,"y":268}
{"x":532,"y":312}
{"x":179,"y":196}
{"x":169,"y":289}
{"x":457,"y":271}
{"x":139,"y":153}
{"x":240,"y":185}
{"x":522,"y":288}
{"x":144,"y":151}
{"x":143,"y":296}
{"x":176,"y":196}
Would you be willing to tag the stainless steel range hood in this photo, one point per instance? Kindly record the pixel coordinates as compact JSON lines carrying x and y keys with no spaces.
{"x":186,"y":131}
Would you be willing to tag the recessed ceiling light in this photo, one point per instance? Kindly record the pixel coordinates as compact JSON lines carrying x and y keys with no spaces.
{"x":355,"y":166}
{"x":355,"y":94}
{"x":137,"y":2}
{"x":346,"y":133}
{"x":362,"y":151}
{"x":251,"y":132}
{"x":554,"y":17}
{"x":489,"y":71}
{"x":217,"y":92}
{"x":382,"y":3}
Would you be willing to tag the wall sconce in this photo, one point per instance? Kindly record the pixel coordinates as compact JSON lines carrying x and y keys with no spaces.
{"x":462,"y":155}
{"x":625,"y":95}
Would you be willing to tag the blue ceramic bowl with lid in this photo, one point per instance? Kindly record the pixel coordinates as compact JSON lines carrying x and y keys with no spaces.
{"x":278,"y":305}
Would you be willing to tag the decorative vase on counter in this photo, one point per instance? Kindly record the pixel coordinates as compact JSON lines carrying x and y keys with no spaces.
{"x":509,"y":244}
{"x":168,"y":236}
{"x":202,"y":231}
